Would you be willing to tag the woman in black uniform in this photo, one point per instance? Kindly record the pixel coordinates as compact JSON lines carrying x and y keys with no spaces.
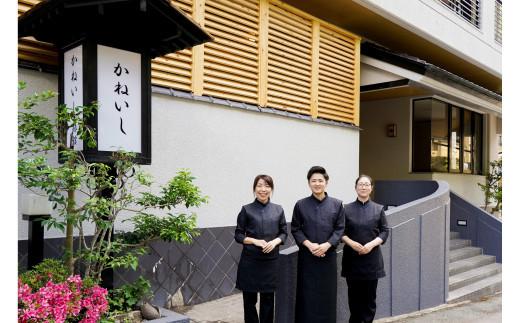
{"x":366,"y":229}
{"x":261,"y":228}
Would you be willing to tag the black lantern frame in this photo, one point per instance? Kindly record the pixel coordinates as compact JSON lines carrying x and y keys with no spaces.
{"x":150,"y":28}
{"x":90,"y":94}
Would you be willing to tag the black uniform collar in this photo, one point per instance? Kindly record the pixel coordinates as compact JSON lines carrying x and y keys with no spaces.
{"x":363,"y":203}
{"x":258,"y":203}
{"x":319,"y":201}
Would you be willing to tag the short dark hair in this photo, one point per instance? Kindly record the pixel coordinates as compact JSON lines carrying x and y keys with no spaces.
{"x":266,"y":178}
{"x":363,"y":175}
{"x":319,"y":170}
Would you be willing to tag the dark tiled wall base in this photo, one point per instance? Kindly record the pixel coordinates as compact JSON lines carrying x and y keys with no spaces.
{"x":204,"y":270}
{"x":52,"y":248}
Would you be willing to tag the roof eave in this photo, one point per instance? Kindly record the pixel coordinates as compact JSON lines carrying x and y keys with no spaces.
{"x":156,"y":25}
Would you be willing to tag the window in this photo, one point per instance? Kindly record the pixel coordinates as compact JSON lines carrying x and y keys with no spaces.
{"x":446,"y":138}
{"x":455,"y":140}
{"x":430,"y":136}
{"x":498,"y":21}
{"x":467,"y":9}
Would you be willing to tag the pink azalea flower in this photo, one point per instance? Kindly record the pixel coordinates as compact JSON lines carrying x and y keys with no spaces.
{"x":57,"y":302}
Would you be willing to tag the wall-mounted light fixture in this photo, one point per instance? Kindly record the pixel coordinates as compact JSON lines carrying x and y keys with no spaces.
{"x":462,"y":223}
{"x":391,"y":130}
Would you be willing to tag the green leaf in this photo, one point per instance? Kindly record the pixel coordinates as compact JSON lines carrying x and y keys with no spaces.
{"x":73,"y":187}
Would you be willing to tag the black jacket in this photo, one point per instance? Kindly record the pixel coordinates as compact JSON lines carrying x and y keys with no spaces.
{"x":318,"y":221}
{"x":363,"y":223}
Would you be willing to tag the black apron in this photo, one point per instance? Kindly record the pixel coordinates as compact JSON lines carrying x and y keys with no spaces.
{"x":316,"y":287}
{"x":257,"y":272}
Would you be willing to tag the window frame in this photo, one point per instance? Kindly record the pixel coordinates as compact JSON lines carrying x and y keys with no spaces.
{"x":476,"y":144}
{"x":468,"y":10}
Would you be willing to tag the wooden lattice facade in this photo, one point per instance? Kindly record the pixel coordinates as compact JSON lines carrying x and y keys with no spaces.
{"x":264,"y":52}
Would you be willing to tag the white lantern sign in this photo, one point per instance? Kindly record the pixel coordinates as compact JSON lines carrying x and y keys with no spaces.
{"x":119,"y":95}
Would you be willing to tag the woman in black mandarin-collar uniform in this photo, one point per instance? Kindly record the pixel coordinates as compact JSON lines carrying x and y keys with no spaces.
{"x":366,"y":229}
{"x":261,"y":228}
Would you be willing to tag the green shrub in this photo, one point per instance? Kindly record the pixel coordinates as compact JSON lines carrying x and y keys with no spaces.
{"x":48,"y":269}
{"x":129,"y":297}
{"x":43,"y":272}
{"x":74,"y":187}
{"x":493,"y":187}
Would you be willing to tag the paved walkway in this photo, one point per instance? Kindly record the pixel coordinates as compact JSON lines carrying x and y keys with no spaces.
{"x":487,"y":310}
{"x":227,"y":309}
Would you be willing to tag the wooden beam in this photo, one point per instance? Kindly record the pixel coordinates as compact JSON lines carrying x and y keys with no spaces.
{"x":357,"y":82}
{"x":263,"y":41}
{"x":315,"y":67}
{"x":198,"y":51}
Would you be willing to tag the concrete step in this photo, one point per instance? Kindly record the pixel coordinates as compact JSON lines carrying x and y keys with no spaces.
{"x":476,"y":290}
{"x":454,"y":235}
{"x":459,"y":243}
{"x":464,"y":253}
{"x":463,"y":265}
{"x":474,"y":275}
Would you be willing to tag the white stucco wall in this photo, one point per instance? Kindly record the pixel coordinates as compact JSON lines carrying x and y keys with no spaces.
{"x":389,"y":158}
{"x":434,"y":21}
{"x":37,"y":83}
{"x":225,"y":148}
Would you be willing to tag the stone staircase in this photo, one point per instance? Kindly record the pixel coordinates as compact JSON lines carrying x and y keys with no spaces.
{"x":472,"y":274}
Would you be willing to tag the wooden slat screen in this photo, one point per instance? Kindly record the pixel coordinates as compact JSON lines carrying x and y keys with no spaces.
{"x":175,"y":70}
{"x":289,"y":61}
{"x":264,"y":52}
{"x":24,"y":5}
{"x":231,"y":60}
{"x":32,"y":50}
{"x":336,"y":86}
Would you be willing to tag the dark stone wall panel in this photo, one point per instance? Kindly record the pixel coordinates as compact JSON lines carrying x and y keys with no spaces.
{"x":202,"y":271}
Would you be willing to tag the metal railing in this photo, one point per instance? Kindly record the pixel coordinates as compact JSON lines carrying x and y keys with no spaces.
{"x":469,"y":10}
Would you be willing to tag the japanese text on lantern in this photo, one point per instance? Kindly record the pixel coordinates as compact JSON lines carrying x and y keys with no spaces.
{"x":119,"y":94}
{"x":121,"y":89}
{"x":73,"y":89}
